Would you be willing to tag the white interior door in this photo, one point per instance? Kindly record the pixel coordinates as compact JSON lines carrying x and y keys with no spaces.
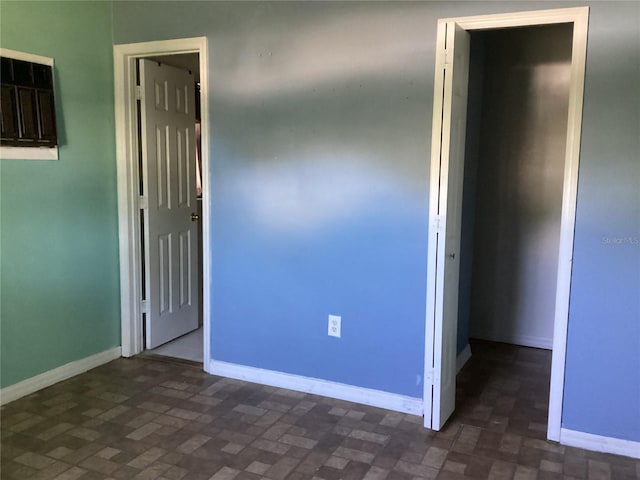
{"x":445,"y":211}
{"x":169,"y":192}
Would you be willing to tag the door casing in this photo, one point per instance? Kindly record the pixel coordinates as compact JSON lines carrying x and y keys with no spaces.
{"x":579,"y":18}
{"x":125,"y":56}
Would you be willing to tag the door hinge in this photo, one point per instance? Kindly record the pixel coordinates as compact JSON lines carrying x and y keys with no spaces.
{"x":437,"y":223}
{"x":138,"y":92}
{"x":447,"y":58}
{"x":144,"y":307}
{"x":429,"y":377}
{"x":143,"y":203}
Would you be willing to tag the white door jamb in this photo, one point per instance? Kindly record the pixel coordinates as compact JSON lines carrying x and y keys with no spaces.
{"x":579,"y":17}
{"x":124,"y":57}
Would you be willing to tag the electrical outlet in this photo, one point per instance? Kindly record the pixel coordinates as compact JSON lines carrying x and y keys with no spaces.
{"x":335,"y":326}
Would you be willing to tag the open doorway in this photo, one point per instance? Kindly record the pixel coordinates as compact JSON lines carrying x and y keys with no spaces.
{"x":517,"y":110}
{"x":170,"y":172}
{"x":181,"y":255}
{"x":519,"y":77}
{"x":514,"y":164}
{"x":512,"y":194}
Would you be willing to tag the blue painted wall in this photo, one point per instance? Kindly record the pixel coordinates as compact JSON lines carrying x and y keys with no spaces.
{"x":602,"y":385}
{"x":319,"y":182}
{"x":320,"y":153}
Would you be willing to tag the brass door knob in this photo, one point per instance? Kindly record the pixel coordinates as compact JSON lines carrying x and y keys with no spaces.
{"x":195,"y":217}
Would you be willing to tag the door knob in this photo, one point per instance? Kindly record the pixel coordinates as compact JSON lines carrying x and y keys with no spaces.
{"x":195,"y":217}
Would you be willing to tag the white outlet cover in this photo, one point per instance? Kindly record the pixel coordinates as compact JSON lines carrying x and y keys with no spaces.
{"x":335,"y":326}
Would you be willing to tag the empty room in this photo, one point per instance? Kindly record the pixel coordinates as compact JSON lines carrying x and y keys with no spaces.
{"x":330,"y":240}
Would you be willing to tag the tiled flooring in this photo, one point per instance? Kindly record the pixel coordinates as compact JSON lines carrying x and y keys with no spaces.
{"x":147,"y":418}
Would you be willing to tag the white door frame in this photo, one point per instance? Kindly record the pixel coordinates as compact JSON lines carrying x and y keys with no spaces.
{"x":579,"y":17}
{"x":124,"y":57}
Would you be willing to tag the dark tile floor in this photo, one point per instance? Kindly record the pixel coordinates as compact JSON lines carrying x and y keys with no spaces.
{"x":147,"y":418}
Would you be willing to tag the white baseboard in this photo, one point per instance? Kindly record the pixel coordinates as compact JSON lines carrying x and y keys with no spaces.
{"x":598,"y":443}
{"x":33,"y":384}
{"x":341,"y":391}
{"x":463,"y":357}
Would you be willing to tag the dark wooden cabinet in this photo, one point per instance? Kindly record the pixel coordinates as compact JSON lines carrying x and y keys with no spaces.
{"x":28,"y":109}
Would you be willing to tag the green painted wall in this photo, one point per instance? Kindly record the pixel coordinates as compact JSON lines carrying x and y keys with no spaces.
{"x":59,"y":231}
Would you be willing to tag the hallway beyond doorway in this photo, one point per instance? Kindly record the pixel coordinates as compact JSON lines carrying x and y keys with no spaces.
{"x":186,"y":347}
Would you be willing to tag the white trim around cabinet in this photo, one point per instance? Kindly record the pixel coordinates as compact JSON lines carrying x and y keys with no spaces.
{"x":28,"y":153}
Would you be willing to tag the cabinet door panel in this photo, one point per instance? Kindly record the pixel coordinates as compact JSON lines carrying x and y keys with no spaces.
{"x":42,"y":76}
{"x":9,"y":114}
{"x":22,"y":73}
{"x":6,"y":70}
{"x":47,"y":117}
{"x":29,"y":114}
